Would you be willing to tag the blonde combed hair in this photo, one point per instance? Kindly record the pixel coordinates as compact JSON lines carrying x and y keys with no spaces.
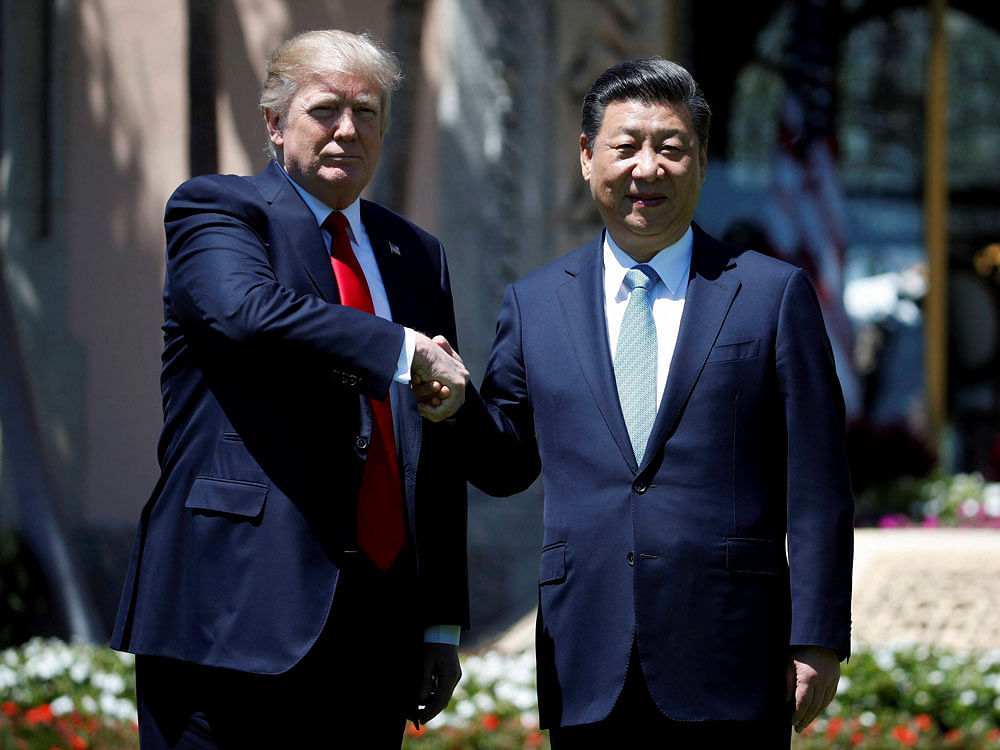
{"x":319,"y":53}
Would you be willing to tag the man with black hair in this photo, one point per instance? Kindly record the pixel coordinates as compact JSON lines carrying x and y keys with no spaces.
{"x":678,"y":396}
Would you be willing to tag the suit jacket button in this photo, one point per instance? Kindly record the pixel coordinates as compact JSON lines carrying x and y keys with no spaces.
{"x":630,"y":557}
{"x":640,"y":487}
{"x":361,"y":442}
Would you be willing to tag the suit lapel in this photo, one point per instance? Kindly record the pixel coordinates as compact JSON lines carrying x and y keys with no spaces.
{"x":301,"y":230}
{"x":712,"y":287}
{"x":401,"y":275}
{"x":582,"y":302}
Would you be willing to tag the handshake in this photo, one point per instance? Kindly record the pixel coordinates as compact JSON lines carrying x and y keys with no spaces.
{"x":438,"y":378}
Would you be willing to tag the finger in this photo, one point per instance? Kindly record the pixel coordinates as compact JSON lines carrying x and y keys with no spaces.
{"x":806,"y":710}
{"x":436,"y":705}
{"x":430,"y":413}
{"x":443,"y":343}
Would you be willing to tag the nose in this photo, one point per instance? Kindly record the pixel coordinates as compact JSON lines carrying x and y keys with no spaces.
{"x":345,"y":130}
{"x":647,"y":164}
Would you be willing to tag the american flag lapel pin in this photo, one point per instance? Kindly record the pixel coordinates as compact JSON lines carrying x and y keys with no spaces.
{"x":394,"y":250}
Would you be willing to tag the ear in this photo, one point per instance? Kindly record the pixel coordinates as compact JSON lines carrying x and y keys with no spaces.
{"x":586,"y":155}
{"x":275,"y":131}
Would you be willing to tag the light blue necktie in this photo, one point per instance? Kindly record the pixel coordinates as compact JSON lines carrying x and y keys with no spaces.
{"x":635,"y":359}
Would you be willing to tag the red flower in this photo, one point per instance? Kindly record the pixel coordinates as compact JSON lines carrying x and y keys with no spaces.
{"x":534,"y":739}
{"x":834,"y":727}
{"x":953,"y":735}
{"x":39,"y":714}
{"x":491,"y":722}
{"x":923,"y":722}
{"x":9,"y":708}
{"x":857,"y":738}
{"x":905,"y":735}
{"x":993,"y":735}
{"x":77,"y":742}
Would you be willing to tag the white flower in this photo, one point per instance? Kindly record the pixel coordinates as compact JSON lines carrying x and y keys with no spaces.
{"x":867,"y":719}
{"x":969,"y":508}
{"x":62,"y":705}
{"x":935,"y":678}
{"x":843,"y":684}
{"x":80,"y":672}
{"x":108,"y":682}
{"x":484,"y":702}
{"x":88,"y":704}
{"x":885,"y":659}
{"x":465,"y":709}
{"x":529,"y":719}
{"x":8,"y":677}
{"x":991,"y":499}
{"x":967,"y":697}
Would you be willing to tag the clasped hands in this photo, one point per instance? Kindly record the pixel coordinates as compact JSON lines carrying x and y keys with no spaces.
{"x":438,"y":378}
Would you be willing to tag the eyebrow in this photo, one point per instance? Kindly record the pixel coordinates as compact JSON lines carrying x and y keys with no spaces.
{"x":329,"y":98}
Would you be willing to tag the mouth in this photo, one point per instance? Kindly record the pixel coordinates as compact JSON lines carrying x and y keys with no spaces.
{"x":646,"y":200}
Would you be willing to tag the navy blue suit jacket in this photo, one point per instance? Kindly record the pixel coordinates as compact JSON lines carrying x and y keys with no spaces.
{"x":685,"y":553}
{"x":265,"y":383}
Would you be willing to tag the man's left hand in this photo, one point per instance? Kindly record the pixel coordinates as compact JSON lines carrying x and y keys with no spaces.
{"x":441,"y":673}
{"x":813,"y":674}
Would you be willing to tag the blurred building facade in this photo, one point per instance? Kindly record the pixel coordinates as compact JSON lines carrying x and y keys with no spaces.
{"x":817,"y":155}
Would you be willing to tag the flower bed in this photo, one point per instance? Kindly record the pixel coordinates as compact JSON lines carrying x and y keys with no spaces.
{"x":963,"y":500}
{"x":55,"y":696}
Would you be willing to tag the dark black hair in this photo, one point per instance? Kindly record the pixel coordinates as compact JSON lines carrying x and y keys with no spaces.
{"x":650,"y":81}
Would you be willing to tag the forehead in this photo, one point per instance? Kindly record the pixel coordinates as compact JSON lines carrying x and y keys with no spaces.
{"x":340,"y":86}
{"x":634,"y":115}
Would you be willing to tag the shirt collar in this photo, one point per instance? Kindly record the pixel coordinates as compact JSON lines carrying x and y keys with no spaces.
{"x":321,"y":211}
{"x":672,"y":263}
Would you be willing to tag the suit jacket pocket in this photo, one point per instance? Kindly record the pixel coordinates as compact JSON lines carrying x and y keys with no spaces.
{"x":735,"y":350}
{"x":760,"y":556}
{"x":552,"y":564}
{"x":212,"y":495}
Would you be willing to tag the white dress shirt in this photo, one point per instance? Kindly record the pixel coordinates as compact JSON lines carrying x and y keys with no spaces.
{"x":673,"y":264}
{"x":380,"y":301}
{"x":366,"y":259}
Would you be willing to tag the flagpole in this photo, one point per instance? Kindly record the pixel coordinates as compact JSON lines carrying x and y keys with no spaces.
{"x":936,"y":226}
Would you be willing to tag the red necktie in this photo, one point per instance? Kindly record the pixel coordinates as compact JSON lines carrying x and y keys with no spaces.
{"x":380,"y":501}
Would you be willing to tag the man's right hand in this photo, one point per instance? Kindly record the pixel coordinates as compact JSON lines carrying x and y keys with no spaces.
{"x":438,"y":377}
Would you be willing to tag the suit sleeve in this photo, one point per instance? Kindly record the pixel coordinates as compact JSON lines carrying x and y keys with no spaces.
{"x":221,"y":283}
{"x":820,"y":502}
{"x":497,"y":423}
{"x":442,"y":505}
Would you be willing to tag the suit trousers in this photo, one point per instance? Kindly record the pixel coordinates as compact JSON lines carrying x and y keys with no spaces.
{"x":354,"y":688}
{"x":636,"y":719}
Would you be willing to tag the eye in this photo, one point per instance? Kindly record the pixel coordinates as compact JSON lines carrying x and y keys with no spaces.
{"x":322,"y":112}
{"x":366,"y":113}
{"x":625,"y":149}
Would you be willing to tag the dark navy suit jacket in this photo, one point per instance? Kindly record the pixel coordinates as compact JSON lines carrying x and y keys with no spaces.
{"x":684,"y":554}
{"x":265,"y":383}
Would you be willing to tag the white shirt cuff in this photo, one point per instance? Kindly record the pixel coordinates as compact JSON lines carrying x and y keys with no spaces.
{"x":405,"y":362}
{"x":450,"y":634}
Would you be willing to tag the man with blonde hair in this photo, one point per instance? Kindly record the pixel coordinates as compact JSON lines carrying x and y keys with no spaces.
{"x":299,"y":576}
